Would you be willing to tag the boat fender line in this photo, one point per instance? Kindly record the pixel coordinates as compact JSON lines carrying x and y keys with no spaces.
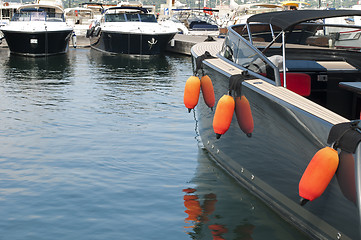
{"x":324,"y":164}
{"x":209,"y":39}
{"x":191,"y":92}
{"x":90,"y":32}
{"x":97,"y":31}
{"x":193,"y":86}
{"x":345,"y":136}
{"x":223,"y":116}
{"x":206,"y":82}
{"x":199,"y":62}
{"x":242,"y":107}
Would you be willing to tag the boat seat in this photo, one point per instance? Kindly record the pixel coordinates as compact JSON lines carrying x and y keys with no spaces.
{"x":299,"y":83}
{"x":312,"y":65}
{"x":319,"y":66}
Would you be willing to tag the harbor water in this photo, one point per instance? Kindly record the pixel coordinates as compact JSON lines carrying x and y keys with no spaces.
{"x":95,"y":146}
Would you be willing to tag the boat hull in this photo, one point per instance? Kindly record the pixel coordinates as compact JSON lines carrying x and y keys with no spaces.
{"x":129,"y":43}
{"x":270,"y":163}
{"x":37,"y":43}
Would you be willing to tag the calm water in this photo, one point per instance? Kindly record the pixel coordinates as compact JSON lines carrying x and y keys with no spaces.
{"x":101,"y":147}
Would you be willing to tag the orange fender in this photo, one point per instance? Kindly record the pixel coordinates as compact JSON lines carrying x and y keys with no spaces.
{"x":223,"y":116}
{"x":318,"y":174}
{"x":191,"y":92}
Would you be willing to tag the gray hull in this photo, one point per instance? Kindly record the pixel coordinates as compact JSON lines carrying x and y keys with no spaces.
{"x":271,"y":163}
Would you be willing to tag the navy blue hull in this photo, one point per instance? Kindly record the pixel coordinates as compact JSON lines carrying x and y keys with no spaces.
{"x":37,"y":44}
{"x":137,"y":44}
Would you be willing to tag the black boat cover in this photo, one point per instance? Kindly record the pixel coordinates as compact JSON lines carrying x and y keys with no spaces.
{"x":128,"y":8}
{"x":288,"y":19}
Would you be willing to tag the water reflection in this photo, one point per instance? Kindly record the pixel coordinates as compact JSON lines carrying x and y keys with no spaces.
{"x":218,"y":208}
{"x":132,"y":66}
{"x":199,"y":214}
{"x":42,"y":82}
{"x":134,"y":84}
{"x":20,"y":68}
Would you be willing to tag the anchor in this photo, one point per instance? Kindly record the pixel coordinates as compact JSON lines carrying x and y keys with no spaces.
{"x":151,"y":43}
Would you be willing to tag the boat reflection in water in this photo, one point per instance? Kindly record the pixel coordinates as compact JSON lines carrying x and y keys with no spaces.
{"x":53,"y":69}
{"x":158,"y":64}
{"x":216,"y":207}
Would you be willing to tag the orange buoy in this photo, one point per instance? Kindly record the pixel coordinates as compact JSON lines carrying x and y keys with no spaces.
{"x":191,"y":92}
{"x":244,"y":115}
{"x":207,"y":91}
{"x":318,"y":174}
{"x":223,"y":116}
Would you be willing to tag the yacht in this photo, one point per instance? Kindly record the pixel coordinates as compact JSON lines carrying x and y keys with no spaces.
{"x":130,"y":30}
{"x":38,"y":30}
{"x":79,"y":18}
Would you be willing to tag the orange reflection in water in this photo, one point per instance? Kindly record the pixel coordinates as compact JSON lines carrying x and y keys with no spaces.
{"x":199,"y":214}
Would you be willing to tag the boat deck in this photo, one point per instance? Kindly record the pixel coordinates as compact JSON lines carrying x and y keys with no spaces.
{"x":267,"y":88}
{"x":183,"y":43}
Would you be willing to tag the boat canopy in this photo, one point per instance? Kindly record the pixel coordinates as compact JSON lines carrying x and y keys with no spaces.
{"x":287,"y":19}
{"x":144,"y":10}
{"x":54,"y":8}
{"x":32,"y":10}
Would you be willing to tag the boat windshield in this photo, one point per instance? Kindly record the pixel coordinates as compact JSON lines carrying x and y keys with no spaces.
{"x":130,"y":17}
{"x":239,"y":51}
{"x":147,"y":18}
{"x":37,"y":15}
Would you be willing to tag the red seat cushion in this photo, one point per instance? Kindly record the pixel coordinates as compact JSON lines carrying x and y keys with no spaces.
{"x":299,"y":83}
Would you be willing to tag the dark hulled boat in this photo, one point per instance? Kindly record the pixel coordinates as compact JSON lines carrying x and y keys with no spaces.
{"x":130,"y":30}
{"x":38,"y":30}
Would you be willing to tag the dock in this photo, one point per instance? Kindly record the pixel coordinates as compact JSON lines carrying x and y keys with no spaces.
{"x":182,"y":44}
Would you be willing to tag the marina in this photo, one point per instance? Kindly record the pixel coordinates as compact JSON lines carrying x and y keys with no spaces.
{"x":96,"y":146}
{"x":120,"y":124}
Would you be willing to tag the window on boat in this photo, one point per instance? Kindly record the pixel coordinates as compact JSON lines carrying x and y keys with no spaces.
{"x":6,"y":13}
{"x":38,"y":15}
{"x":115,"y":17}
{"x":84,"y":14}
{"x":29,"y":16}
{"x":147,"y":18}
{"x":132,"y":17}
